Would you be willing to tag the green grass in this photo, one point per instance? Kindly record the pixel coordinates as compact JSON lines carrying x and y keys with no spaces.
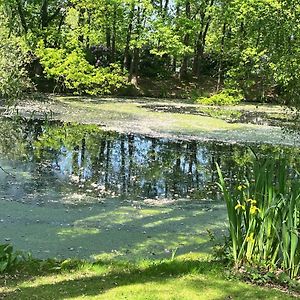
{"x":182,"y":278}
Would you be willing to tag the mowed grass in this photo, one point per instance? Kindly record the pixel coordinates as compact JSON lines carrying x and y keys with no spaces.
{"x":181,"y":278}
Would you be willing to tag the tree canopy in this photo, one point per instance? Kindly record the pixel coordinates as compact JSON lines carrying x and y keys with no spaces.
{"x":100,"y":46}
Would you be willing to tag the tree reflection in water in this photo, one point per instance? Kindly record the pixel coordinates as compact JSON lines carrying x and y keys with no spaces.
{"x":129,"y":166}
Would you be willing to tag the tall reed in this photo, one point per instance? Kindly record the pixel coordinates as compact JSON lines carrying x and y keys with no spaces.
{"x":264,"y":216}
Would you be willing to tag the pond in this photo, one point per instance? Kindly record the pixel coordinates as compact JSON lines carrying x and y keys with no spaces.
{"x":69,"y":190}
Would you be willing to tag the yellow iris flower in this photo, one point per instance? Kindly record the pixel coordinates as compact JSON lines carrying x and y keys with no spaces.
{"x":241,"y":187}
{"x":250,"y":238}
{"x":239,"y":206}
{"x":254,"y":209}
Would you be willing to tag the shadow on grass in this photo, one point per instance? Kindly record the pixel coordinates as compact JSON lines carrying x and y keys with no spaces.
{"x":177,"y":279}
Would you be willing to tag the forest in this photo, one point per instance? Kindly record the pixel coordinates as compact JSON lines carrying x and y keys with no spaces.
{"x":247,"y":50}
{"x":149,"y":149}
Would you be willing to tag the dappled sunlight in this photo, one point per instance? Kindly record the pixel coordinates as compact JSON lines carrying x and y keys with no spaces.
{"x":149,"y":149}
{"x":89,"y":193}
{"x":160,"y":222}
{"x":77,"y":231}
{"x":131,"y":233}
{"x":122,"y":231}
{"x":118,"y":214}
{"x":165,"y":244}
{"x":131,"y":116}
{"x":193,"y":279}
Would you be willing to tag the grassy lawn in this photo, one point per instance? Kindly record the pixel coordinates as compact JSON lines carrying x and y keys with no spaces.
{"x":181,"y":278}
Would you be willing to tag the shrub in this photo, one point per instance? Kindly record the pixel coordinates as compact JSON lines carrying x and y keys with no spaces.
{"x":252,"y":75}
{"x":13,"y":76}
{"x":264,"y":217}
{"x":72,"y":71}
{"x":225,"y":97}
{"x":8,"y":258}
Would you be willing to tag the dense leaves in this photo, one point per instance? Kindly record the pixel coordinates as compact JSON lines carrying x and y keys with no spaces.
{"x":74,"y":72}
{"x":96,"y":46}
{"x":13,"y":76}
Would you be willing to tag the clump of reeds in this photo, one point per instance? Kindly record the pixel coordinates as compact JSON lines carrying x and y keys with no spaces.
{"x":264,"y":216}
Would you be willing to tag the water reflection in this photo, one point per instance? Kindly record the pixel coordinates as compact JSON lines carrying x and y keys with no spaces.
{"x":126,"y":166}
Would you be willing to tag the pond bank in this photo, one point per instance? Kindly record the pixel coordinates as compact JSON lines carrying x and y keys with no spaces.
{"x":174,"y":119}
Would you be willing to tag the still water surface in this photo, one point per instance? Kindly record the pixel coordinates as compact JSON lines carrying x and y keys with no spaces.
{"x":76,"y":190}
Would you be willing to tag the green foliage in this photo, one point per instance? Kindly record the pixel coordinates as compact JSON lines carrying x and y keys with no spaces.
{"x":8,"y":258}
{"x":72,"y":71}
{"x":166,"y":41}
{"x":225,"y":97}
{"x":13,"y":76}
{"x":252,"y":75}
{"x":264,"y":217}
{"x":182,"y":278}
{"x":251,"y":45}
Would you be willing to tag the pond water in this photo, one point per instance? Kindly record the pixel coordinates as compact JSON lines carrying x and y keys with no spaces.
{"x":76,"y":190}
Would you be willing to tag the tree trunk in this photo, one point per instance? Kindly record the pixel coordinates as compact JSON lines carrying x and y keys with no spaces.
{"x":44,"y":14}
{"x":108,"y":43}
{"x":185,"y":61}
{"x":200,"y":46}
{"x":174,"y":64}
{"x":198,"y":55}
{"x":201,"y":39}
{"x":22,"y":16}
{"x":89,"y":24}
{"x":133,"y":72}
{"x":166,"y":8}
{"x":81,"y":23}
{"x":128,"y":39}
{"x":221,"y":57}
{"x":113,"y":42}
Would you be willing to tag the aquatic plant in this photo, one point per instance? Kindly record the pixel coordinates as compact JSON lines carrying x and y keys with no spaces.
{"x":8,"y":258}
{"x":264,"y":216}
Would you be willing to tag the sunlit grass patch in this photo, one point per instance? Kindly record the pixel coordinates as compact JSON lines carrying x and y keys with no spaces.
{"x":181,"y":278}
